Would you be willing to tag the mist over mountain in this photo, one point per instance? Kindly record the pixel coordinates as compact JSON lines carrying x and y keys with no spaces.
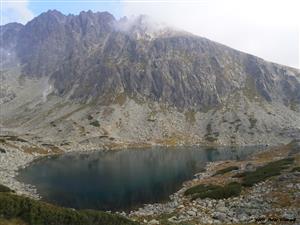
{"x":90,"y":79}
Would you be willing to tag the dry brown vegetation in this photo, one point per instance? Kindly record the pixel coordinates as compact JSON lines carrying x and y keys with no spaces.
{"x":12,"y":222}
{"x":38,"y":150}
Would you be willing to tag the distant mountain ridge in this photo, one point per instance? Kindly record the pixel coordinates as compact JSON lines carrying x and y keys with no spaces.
{"x":94,"y":58}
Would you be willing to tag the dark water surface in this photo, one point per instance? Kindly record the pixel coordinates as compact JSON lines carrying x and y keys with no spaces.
{"x":121,"y":180}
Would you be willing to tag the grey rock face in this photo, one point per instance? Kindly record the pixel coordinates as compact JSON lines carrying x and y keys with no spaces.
{"x":89,"y":52}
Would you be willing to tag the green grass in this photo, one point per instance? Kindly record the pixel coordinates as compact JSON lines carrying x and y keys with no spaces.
{"x":35,"y":212}
{"x":262,"y":173}
{"x":214,"y":191}
{"x":226,"y":170}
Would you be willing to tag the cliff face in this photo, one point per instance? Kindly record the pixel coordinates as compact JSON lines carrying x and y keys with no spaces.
{"x":96,"y":61}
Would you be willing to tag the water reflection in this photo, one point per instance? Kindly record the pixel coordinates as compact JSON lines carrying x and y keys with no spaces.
{"x":123,"y":179}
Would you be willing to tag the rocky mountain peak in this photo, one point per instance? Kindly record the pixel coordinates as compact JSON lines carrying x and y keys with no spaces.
{"x":48,"y":18}
{"x":89,"y":77}
{"x":101,"y":56}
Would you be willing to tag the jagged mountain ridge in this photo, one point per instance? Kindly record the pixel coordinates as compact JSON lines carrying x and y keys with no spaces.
{"x":95,"y":58}
{"x":182,"y":70}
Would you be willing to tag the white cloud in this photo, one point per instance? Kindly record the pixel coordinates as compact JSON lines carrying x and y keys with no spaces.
{"x":15,"y":11}
{"x":266,"y":28}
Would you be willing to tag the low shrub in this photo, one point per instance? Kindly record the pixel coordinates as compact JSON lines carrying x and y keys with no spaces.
{"x":40,"y":213}
{"x":226,"y":170}
{"x":262,"y":173}
{"x":215,"y":191}
{"x":200,"y":188}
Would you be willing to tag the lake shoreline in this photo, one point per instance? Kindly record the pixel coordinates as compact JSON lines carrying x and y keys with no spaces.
{"x":8,"y":178}
{"x":261,"y":203}
{"x":14,"y":160}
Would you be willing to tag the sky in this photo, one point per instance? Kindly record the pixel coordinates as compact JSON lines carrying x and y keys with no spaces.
{"x":269,"y":29}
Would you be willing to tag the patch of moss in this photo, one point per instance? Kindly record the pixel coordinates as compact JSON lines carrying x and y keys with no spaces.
{"x":226,"y":170}
{"x":262,"y":173}
{"x":40,"y":213}
{"x":95,"y":123}
{"x":215,"y":191}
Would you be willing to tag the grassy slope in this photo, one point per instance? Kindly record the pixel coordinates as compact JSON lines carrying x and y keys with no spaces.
{"x":12,"y":222}
{"x":14,"y":207}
